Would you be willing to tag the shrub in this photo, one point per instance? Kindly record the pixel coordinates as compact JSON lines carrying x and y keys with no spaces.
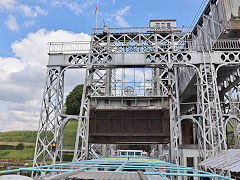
{"x":20,"y":146}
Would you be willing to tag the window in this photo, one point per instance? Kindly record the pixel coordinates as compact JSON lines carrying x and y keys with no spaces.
{"x":163,"y":25}
{"x":157,"y":24}
{"x":124,"y":153}
{"x":168,"y":24}
{"x":190,"y":162}
{"x":131,"y":153}
{"x":137,"y":153}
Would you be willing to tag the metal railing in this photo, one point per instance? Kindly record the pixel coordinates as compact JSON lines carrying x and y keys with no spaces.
{"x":139,"y":30}
{"x":84,"y":47}
{"x":226,"y":44}
{"x":65,"y":47}
{"x":182,"y":45}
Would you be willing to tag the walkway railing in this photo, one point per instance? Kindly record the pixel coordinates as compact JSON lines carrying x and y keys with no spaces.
{"x":226,"y":44}
{"x":139,"y":30}
{"x":68,"y":47}
{"x":162,"y":46}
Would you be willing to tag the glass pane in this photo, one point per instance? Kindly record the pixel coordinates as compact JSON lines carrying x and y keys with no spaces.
{"x":138,"y":153}
{"x":123,"y":153}
{"x":131,"y":153}
{"x":190,"y":162}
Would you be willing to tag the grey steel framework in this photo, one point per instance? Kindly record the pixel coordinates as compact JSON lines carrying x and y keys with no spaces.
{"x":195,"y":72}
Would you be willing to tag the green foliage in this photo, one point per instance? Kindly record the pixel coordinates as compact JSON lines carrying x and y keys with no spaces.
{"x":73,"y":100}
{"x":20,"y":146}
{"x":70,"y":135}
{"x":18,"y":136}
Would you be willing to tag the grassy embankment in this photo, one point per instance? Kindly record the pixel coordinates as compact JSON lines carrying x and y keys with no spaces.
{"x":28,"y":138}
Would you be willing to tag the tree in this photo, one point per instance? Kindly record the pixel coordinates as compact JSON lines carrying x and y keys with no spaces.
{"x":73,"y":100}
{"x":20,"y":146}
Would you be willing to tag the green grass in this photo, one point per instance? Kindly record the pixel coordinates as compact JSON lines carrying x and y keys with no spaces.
{"x":26,"y":154}
{"x":30,"y":137}
{"x":70,"y":134}
{"x":18,"y":136}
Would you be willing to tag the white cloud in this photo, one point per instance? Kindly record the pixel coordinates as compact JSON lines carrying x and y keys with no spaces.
{"x":22,"y":78}
{"x":140,"y":74}
{"x":12,"y":23}
{"x":29,"y":23}
{"x":40,"y":11}
{"x":7,"y":4}
{"x":24,"y":9}
{"x":3,"y":117}
{"x":119,"y":16}
{"x":69,"y":4}
{"x":123,"y":11}
{"x":121,"y":22}
{"x":77,"y":7}
{"x":15,"y":8}
{"x":74,"y":7}
{"x":8,"y":66}
{"x":28,"y":11}
{"x":89,"y":3}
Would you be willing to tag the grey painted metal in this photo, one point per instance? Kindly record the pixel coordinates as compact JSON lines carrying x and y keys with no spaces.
{"x":122,"y":166}
{"x":142,"y":176}
{"x":50,"y":126}
{"x":63,"y":176}
{"x":195,"y":73}
{"x":107,"y":175}
{"x":227,"y":160}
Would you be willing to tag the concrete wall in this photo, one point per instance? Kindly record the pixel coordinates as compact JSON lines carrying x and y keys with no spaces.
{"x":190,"y":153}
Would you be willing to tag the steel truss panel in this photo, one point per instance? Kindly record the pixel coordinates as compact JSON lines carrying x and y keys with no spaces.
{"x":171,"y":63}
{"x":51,"y":122}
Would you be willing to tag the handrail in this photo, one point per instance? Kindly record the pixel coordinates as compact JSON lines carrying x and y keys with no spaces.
{"x":75,"y":46}
{"x":186,"y":45}
{"x":226,"y":44}
{"x":181,"y":29}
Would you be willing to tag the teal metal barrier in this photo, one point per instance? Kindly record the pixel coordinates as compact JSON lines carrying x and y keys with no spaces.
{"x":148,"y":165}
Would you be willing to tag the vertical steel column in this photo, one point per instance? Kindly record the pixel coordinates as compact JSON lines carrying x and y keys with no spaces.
{"x":175,"y":126}
{"x":83,"y":123}
{"x":50,"y":123}
{"x":108,"y":82}
{"x":174,"y":107}
{"x":156,"y":81}
{"x":214,"y":137}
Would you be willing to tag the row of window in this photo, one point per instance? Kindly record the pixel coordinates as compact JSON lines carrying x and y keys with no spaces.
{"x":131,"y":153}
{"x":163,"y":25}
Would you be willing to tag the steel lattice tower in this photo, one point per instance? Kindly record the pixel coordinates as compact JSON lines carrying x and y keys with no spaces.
{"x":195,"y":73}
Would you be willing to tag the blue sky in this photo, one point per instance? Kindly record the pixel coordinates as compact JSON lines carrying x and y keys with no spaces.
{"x":78,"y":15}
{"x":27,"y":25}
